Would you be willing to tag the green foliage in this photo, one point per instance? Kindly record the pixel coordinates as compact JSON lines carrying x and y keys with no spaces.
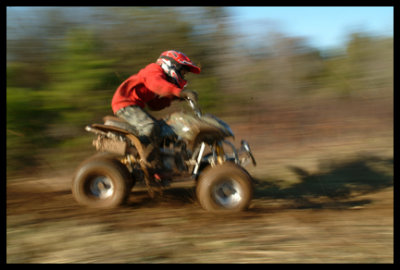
{"x":367,"y":66}
{"x":26,"y":120}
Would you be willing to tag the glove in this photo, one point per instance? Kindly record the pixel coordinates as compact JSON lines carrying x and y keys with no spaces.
{"x":189,"y":94}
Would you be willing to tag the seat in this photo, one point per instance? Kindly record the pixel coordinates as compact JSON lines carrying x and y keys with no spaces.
{"x":120,"y":123}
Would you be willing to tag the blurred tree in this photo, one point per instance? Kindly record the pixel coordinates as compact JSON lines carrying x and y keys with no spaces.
{"x":366,"y":67}
{"x":285,"y":66}
{"x":77,"y":91}
{"x":25,"y":123}
{"x":369,"y":61}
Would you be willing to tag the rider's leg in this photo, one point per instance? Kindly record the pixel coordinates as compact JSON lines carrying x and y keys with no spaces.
{"x":145,"y":124}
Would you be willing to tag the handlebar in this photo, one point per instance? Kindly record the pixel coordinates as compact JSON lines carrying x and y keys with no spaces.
{"x":195,"y":107}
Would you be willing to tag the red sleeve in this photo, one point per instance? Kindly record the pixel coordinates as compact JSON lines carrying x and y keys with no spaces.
{"x":155,"y":79}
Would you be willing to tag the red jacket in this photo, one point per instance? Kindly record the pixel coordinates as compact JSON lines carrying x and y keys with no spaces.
{"x":149,"y":86}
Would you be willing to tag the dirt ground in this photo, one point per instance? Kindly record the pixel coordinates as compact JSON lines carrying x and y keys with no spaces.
{"x":47,"y":226}
{"x":316,"y":200}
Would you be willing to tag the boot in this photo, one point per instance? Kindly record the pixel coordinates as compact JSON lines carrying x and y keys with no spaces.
{"x":152,"y":155}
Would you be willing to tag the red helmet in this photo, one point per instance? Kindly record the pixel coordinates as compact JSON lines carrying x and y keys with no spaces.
{"x":172,"y":62}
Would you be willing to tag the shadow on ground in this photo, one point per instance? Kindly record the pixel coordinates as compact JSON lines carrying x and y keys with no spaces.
{"x":336,"y":184}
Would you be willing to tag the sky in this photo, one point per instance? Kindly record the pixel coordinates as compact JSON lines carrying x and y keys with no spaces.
{"x":324,"y":27}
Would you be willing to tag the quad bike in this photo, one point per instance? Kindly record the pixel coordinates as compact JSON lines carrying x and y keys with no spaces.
{"x":198,"y":149}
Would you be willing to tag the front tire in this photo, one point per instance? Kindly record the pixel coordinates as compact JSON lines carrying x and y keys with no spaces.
{"x":227,"y":187}
{"x":101,"y":182}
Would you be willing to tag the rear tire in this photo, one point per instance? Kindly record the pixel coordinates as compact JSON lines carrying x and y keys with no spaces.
{"x":227,"y":187}
{"x":101,"y":182}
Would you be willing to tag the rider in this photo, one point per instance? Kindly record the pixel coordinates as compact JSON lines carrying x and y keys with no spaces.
{"x":156,"y":86}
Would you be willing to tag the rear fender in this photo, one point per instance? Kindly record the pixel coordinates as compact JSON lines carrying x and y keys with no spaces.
{"x":105,"y":129}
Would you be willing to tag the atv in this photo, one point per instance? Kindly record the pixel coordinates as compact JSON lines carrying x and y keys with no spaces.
{"x":199,"y":150}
